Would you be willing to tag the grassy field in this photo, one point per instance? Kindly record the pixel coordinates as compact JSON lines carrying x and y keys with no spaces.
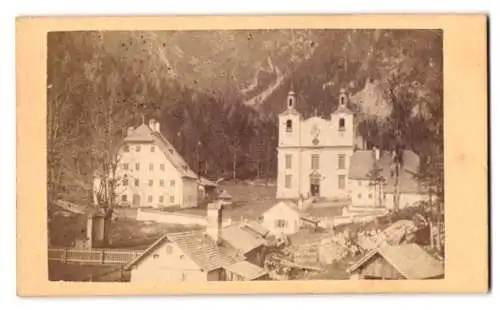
{"x":83,"y":273}
{"x":125,"y":232}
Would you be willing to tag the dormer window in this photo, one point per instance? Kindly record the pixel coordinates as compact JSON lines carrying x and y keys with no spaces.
{"x":341,"y":124}
{"x":289,"y":125}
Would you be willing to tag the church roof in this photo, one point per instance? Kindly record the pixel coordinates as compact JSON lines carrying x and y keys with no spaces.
{"x":290,"y":111}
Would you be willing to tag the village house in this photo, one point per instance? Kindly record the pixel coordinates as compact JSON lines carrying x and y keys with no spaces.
{"x":314,"y":154}
{"x":370,"y":189}
{"x":405,"y":261}
{"x":150,"y":172}
{"x":282,"y":218}
{"x":215,"y":254}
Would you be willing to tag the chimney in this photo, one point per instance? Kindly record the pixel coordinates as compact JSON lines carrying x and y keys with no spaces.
{"x":130,"y":130}
{"x":152,"y":124}
{"x":157,"y":126}
{"x":214,"y":221}
{"x":376,"y":153}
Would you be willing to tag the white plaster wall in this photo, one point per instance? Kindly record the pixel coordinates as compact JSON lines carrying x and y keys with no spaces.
{"x":167,"y":267}
{"x":281,"y":213}
{"x":145,"y":157}
{"x":170,"y":218}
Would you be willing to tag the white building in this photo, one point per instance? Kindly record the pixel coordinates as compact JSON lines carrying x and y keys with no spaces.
{"x":314,"y":154}
{"x":150,"y":172}
{"x":216,"y":254}
{"x":282,"y":218}
{"x":367,"y":193}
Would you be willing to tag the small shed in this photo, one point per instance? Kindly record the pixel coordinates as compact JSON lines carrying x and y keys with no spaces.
{"x":207,"y":189}
{"x":282,"y":218}
{"x":405,"y":261}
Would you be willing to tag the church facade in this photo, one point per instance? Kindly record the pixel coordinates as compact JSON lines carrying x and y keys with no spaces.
{"x":314,"y":154}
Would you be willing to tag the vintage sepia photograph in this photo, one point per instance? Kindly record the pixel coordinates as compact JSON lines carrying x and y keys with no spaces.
{"x":245,"y":155}
{"x":179,"y":156}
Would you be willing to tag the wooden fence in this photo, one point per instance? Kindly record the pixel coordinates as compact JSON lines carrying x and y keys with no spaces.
{"x":93,"y":256}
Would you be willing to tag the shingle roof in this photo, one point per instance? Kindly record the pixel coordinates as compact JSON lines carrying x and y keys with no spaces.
{"x":362,"y":162}
{"x":203,"y":250}
{"x":256,"y":227}
{"x":408,"y":259}
{"x":246,"y":270}
{"x":240,"y":239}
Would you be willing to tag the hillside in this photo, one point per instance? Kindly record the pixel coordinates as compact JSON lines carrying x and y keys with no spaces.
{"x":225,"y":88}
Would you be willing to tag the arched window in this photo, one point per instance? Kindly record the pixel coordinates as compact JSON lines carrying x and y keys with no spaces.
{"x":290,"y":102}
{"x":342,"y":101}
{"x":341,"y":124}
{"x":289,"y":125}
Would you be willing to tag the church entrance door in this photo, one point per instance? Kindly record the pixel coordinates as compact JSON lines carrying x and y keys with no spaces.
{"x":315,"y":185}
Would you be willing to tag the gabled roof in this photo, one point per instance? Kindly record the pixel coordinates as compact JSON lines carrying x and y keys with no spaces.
{"x":246,"y":270}
{"x":241,"y":239}
{"x":198,"y":246}
{"x":256,"y":227}
{"x":224,"y":195}
{"x":362,"y":162}
{"x":203,"y":250}
{"x":144,"y":134}
{"x":140,"y":134}
{"x":206,"y":182}
{"x":408,"y":259}
{"x":283,"y":204}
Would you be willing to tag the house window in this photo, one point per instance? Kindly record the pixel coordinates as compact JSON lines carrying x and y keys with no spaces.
{"x":172,"y":199}
{"x":162,"y":167}
{"x":125,"y":182}
{"x":370,"y":196}
{"x":137,"y":166}
{"x":288,"y":161}
{"x":288,"y":181}
{"x":341,"y":161}
{"x":341,"y":181}
{"x":314,"y":161}
{"x":280,"y":223}
{"x":138,"y":148}
{"x":156,"y":256}
{"x":125,"y":166}
{"x":161,"y":182}
{"x":172,"y":183}
{"x":289,"y":125}
{"x":150,"y":198}
{"x":150,"y":183}
{"x":124,"y":198}
{"x":359,"y":195}
{"x":160,"y":199}
{"x":151,"y":166}
{"x":152,"y":148}
{"x":136,"y":182}
{"x":341,"y":124}
{"x":359,"y":183}
{"x":126,"y":148}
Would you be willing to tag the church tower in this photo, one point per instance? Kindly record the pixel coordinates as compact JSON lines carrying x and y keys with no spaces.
{"x":289,"y":123}
{"x":342,"y":121}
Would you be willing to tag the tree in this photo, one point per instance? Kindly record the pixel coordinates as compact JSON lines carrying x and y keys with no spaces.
{"x":377,"y":181}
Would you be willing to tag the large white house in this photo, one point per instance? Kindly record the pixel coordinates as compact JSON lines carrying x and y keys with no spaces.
{"x":151,"y":173}
{"x":314,"y":154}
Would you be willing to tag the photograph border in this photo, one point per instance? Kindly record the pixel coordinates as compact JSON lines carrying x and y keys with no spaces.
{"x":466,"y":146}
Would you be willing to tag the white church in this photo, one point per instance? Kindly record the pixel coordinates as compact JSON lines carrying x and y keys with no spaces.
{"x":314,"y":154}
{"x":326,"y":158}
